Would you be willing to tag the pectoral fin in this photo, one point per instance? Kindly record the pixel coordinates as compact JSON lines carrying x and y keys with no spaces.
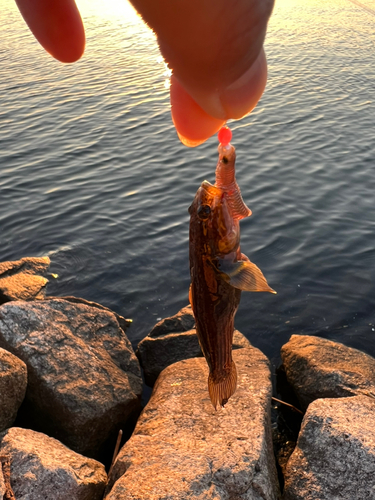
{"x":244,"y":275}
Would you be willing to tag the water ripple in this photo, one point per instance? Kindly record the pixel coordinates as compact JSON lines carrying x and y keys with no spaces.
{"x":93,"y":175}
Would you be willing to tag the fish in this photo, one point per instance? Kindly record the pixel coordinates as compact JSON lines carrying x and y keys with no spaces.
{"x":219,"y":272}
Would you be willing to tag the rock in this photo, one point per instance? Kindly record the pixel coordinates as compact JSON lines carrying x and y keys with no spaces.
{"x":319,"y":368}
{"x":42,"y":467}
{"x":173,"y":339}
{"x":155,"y":354}
{"x":84,"y":378}
{"x":335,"y":453}
{"x":13,"y":383}
{"x":183,"y":449}
{"x":124,"y":323}
{"x":19,"y":280}
{"x":180,"y":322}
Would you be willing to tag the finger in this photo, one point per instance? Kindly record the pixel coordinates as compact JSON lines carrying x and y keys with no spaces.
{"x":193,"y":125}
{"x":241,"y":96}
{"x":214,"y":49}
{"x":57,"y":25}
{"x":196,"y":123}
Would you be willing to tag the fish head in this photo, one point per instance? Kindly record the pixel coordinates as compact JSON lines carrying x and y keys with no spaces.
{"x":211,"y":214}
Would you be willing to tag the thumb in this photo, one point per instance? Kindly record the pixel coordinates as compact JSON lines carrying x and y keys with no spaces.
{"x":214,"y":48}
{"x":198,"y":119}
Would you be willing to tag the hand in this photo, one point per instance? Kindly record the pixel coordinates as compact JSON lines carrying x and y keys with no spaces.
{"x":214,"y":48}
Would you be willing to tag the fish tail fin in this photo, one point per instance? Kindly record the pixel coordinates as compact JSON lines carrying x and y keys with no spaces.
{"x":220,"y":390}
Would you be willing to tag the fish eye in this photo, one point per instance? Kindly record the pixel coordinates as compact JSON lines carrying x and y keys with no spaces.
{"x":204,"y":212}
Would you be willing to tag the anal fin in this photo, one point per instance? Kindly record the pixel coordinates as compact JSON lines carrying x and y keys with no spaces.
{"x":222,"y":389}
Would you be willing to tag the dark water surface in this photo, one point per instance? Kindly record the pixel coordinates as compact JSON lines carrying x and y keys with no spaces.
{"x":93,"y":175}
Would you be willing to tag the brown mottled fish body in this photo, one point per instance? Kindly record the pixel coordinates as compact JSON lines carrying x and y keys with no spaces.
{"x":219,"y":272}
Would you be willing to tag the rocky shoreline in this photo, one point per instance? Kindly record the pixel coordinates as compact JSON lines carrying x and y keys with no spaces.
{"x":70,"y":380}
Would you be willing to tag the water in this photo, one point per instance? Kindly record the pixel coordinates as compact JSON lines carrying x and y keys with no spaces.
{"x":93,"y":175}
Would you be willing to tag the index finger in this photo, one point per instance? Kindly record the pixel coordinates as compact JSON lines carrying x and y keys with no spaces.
{"x":57,"y":25}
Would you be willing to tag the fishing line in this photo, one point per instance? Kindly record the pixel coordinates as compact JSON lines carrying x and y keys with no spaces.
{"x":364,"y":7}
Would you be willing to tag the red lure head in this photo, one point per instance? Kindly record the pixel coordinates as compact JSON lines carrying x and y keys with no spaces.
{"x":224,"y":135}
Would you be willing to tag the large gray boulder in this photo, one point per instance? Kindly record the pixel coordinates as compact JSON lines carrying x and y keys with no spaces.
{"x":20,"y":279}
{"x":84,"y":380}
{"x":179,"y":322}
{"x":173,"y":339}
{"x":319,"y":368}
{"x":43,"y":468}
{"x":13,"y":383}
{"x":183,"y":449}
{"x":124,"y":323}
{"x":335,"y":453}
